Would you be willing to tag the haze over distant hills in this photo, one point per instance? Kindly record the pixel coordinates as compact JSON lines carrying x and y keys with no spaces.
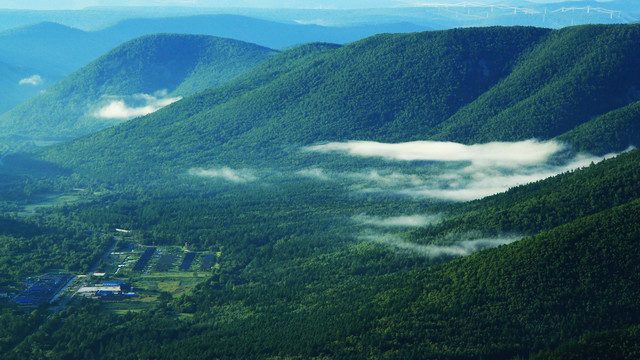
{"x":436,"y":14}
{"x":23,"y":45}
{"x":51,"y":51}
{"x":132,"y":80}
{"x":18,"y":84}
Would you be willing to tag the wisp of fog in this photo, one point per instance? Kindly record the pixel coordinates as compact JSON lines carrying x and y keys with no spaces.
{"x":132,"y":106}
{"x":226,"y":173}
{"x":34,"y":80}
{"x":454,"y":248}
{"x":396,"y":221}
{"x":482,"y":170}
{"x":503,"y":154}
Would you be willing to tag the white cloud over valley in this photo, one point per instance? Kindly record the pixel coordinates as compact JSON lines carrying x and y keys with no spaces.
{"x":34,"y":80}
{"x":453,"y":248}
{"x":129,"y":107}
{"x":225,"y":173}
{"x":396,"y":221}
{"x":504,"y":154}
{"x":468,"y":172}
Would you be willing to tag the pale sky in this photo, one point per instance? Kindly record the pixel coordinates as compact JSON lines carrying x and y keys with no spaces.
{"x":308,"y":4}
{"x":313,"y":4}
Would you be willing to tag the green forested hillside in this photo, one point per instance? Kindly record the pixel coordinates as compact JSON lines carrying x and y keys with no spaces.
{"x":140,"y":73}
{"x":387,"y":87}
{"x":296,"y":297}
{"x":613,"y":130}
{"x":314,"y":262}
{"x":463,"y":85}
{"x":546,"y":204}
{"x":573,"y":76}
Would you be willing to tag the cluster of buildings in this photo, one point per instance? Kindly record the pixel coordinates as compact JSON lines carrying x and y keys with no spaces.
{"x":43,"y":290}
{"x":109,"y":290}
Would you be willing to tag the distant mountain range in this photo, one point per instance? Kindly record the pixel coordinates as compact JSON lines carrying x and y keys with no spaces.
{"x":51,"y":45}
{"x":435,"y":15}
{"x":51,"y":51}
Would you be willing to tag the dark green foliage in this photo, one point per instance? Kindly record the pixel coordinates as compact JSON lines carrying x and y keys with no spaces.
{"x":16,"y":325}
{"x":77,"y":335}
{"x":572,"y":76}
{"x":614,"y":131}
{"x":616,"y":344}
{"x":546,"y":204}
{"x":513,"y":300}
{"x":37,"y":245}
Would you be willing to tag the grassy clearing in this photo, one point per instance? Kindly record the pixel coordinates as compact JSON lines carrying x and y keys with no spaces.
{"x":175,"y":283}
{"x":52,"y":200}
{"x":122,"y":307}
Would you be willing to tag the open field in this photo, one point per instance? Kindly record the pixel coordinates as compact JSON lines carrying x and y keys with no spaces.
{"x":160,"y":275}
{"x":51,"y":200}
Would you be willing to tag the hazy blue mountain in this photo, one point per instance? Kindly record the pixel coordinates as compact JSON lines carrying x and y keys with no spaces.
{"x":53,"y":51}
{"x":17,"y":84}
{"x":49,"y":51}
{"x":456,"y":14}
{"x":266,"y":33}
{"x":50,"y":47}
{"x":136,"y":78}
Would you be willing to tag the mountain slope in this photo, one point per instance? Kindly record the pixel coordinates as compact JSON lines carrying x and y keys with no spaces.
{"x":16,"y":84}
{"x":545,"y":204}
{"x":575,"y":75}
{"x":146,"y":72}
{"x":44,"y":53}
{"x":387,"y":88}
{"x":463,"y":85}
{"x":613,"y":130}
{"x":360,"y":300}
{"x":266,"y":33}
{"x":53,"y":51}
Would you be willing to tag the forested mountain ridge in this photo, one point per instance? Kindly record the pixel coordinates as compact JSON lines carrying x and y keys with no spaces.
{"x":272,"y":34}
{"x":387,"y":87}
{"x":145,"y":72}
{"x":461,"y":85}
{"x":575,"y":75}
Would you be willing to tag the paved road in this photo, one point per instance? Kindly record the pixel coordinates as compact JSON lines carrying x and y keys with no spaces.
{"x":62,"y":304}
